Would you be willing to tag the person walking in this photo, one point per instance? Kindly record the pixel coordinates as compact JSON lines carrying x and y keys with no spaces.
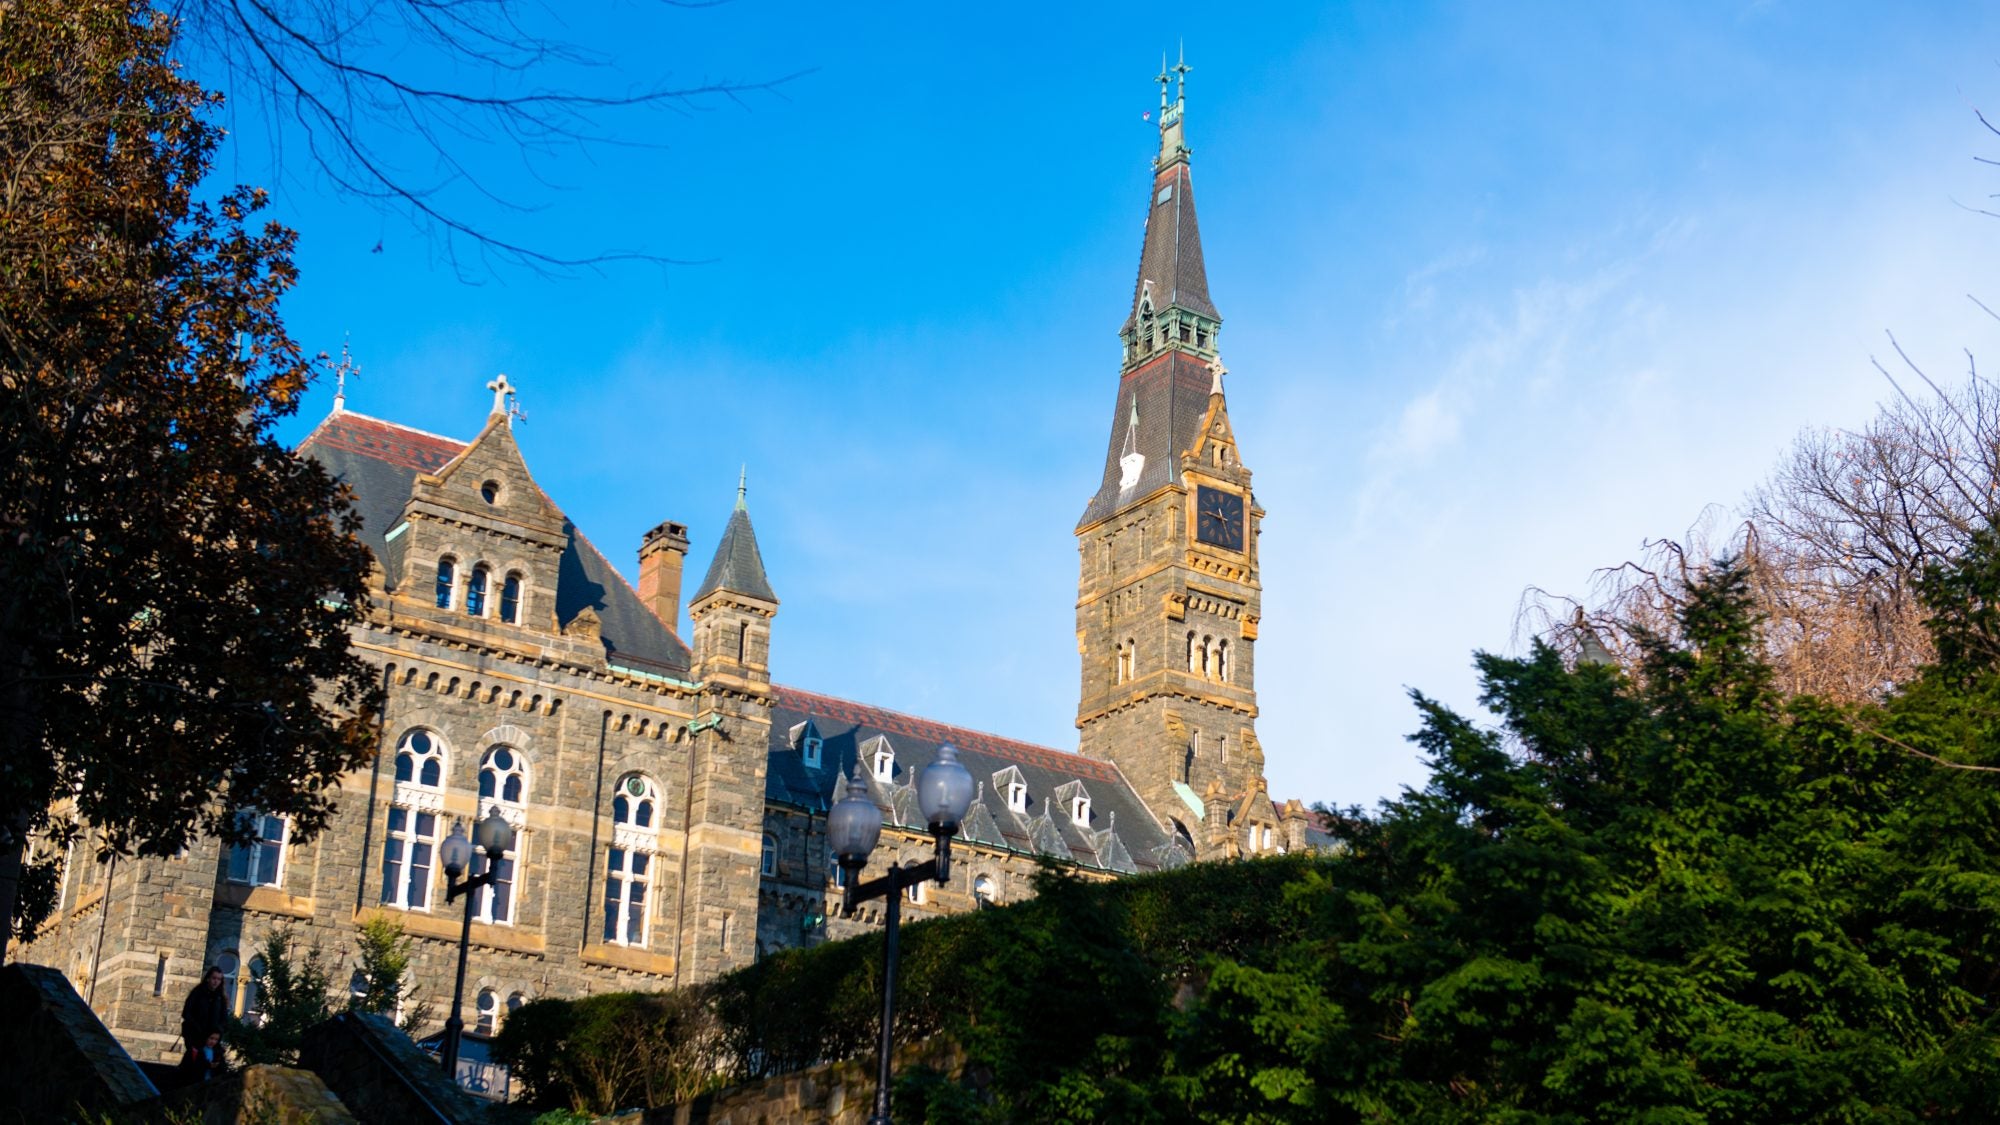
{"x":204,"y":1014}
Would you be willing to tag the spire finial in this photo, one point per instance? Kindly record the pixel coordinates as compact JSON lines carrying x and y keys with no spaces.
{"x":341,"y":371}
{"x":1181,"y":70}
{"x":742,"y":488}
{"x":1163,"y":78}
{"x":501,"y":388}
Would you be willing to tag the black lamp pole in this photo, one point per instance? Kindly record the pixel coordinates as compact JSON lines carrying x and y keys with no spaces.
{"x":495,"y":838}
{"x":890,"y":887}
{"x":853,"y":828}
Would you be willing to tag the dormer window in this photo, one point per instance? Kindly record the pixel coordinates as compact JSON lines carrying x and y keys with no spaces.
{"x":447,"y":578}
{"x":1079,"y":808}
{"x":885,"y":763}
{"x":1017,"y":795}
{"x":809,"y":750}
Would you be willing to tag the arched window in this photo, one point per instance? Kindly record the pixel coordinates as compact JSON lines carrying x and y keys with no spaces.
{"x":1207,"y":646}
{"x":231,"y":965}
{"x":635,"y":802}
{"x":1222,"y":661}
{"x":503,"y":776}
{"x":447,"y":578}
{"x":475,"y":592}
{"x":628,"y":869}
{"x":914,"y":891}
{"x":983,"y":890}
{"x":1183,"y":838}
{"x":1192,"y":663}
{"x":770,"y":862}
{"x":514,"y":1002}
{"x":743,"y":643}
{"x":420,"y":760}
{"x":409,"y":845}
{"x":489,"y":1012}
{"x":510,"y":599}
{"x":253,"y":992}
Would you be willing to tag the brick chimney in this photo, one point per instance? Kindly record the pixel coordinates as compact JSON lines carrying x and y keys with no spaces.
{"x":661,"y":555}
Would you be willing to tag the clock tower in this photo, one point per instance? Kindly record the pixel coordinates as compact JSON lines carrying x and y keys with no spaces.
{"x":1168,"y":597}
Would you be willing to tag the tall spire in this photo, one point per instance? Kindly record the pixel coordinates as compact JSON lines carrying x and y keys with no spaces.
{"x":1170,"y":335}
{"x":738,"y":565}
{"x":742,"y":488}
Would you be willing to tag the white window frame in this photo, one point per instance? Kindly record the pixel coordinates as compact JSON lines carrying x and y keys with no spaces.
{"x":809,"y":750}
{"x":252,"y":854}
{"x":510,"y":877}
{"x":1017,"y":795}
{"x":768,"y":862}
{"x":486,"y":1012}
{"x":885,"y":764}
{"x":628,"y":867}
{"x":914,"y":892}
{"x":985,"y":889}
{"x":1079,"y":808}
{"x":406,"y":840}
{"x":517,"y":770}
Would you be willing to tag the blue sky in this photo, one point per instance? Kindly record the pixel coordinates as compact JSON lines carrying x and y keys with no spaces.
{"x":1507,"y":288}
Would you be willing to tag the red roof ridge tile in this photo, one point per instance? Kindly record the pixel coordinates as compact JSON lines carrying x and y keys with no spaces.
{"x":916,"y":726}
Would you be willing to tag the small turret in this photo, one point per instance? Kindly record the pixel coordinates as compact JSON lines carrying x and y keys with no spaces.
{"x":732,"y":608}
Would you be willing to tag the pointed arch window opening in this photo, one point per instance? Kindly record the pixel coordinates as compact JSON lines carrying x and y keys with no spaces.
{"x":447,"y":581}
{"x":510,"y":599}
{"x":475,"y":592}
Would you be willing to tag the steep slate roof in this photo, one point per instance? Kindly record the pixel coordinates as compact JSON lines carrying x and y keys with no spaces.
{"x":738,"y":566}
{"x":380,"y":462}
{"x":1171,"y":258}
{"x":1172,"y":392}
{"x":1119,"y":836}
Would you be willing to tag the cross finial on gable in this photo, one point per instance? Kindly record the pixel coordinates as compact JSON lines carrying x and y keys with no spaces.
{"x":1215,"y":366}
{"x":501,"y":388}
{"x":341,"y":371}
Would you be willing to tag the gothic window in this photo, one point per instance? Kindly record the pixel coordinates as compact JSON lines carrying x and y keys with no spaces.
{"x":510,"y":599}
{"x":253,"y":992}
{"x":770,"y":859}
{"x":1183,"y":839}
{"x":446,"y":578}
{"x":635,"y":802}
{"x":743,"y":643}
{"x":915,"y":892}
{"x":407,"y":853}
{"x":627,"y":875}
{"x":230,"y":965}
{"x":420,"y":760}
{"x":258,"y":863}
{"x":1187,"y":761}
{"x":496,"y":900}
{"x":1222,"y":661}
{"x":514,"y":1002}
{"x":1193,"y":663}
{"x":489,"y":1012}
{"x":983,"y":890}
{"x":503,"y":776}
{"x":475,"y":592}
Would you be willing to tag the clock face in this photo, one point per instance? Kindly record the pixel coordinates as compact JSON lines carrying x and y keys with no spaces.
{"x":1218,"y":517}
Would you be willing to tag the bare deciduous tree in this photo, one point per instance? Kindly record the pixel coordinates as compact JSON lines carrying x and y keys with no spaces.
{"x":395,"y":101}
{"x":1835,"y":539}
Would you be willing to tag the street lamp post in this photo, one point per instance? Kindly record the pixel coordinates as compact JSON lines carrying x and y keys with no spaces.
{"x":494,"y":836}
{"x":853,"y":827}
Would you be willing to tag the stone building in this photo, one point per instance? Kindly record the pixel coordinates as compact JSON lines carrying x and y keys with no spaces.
{"x":669,"y":798}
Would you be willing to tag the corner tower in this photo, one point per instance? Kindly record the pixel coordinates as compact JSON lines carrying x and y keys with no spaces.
{"x":1168,"y":597}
